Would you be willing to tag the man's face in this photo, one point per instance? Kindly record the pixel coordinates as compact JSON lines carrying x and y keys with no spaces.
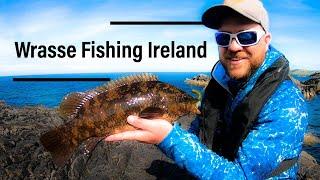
{"x":241,"y":61}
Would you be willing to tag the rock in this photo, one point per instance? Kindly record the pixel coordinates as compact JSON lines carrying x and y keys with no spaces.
{"x":311,"y":88}
{"x":315,"y":75}
{"x":301,"y":72}
{"x":312,"y":81}
{"x":21,"y":154}
{"x":201,"y":77}
{"x":310,"y":139}
{"x":309,"y":169}
{"x":125,"y":160}
{"x":201,"y":80}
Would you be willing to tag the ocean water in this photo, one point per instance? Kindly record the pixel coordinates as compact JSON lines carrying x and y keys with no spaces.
{"x":50,"y":94}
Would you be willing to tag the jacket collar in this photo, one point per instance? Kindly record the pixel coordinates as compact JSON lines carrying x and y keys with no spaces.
{"x":220,"y":75}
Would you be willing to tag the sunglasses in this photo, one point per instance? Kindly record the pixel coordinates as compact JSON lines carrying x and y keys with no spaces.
{"x":244,"y":38}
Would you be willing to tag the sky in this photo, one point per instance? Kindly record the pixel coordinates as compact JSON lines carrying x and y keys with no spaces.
{"x":294,"y":25}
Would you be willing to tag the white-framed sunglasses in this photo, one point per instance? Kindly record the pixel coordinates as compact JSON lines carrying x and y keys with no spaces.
{"x":248,"y":37}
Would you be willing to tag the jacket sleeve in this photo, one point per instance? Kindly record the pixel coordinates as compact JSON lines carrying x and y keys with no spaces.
{"x":279,"y":135}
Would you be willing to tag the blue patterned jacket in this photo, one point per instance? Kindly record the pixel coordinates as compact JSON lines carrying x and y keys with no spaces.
{"x":282,"y":123}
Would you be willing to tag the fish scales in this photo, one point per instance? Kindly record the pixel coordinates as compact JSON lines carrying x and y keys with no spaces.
{"x":130,"y":100}
{"x":104,"y":111}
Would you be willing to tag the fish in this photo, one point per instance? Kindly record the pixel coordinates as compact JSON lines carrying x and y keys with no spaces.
{"x":103,"y":111}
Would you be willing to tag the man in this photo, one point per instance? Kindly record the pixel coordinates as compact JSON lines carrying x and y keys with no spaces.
{"x":253,"y":117}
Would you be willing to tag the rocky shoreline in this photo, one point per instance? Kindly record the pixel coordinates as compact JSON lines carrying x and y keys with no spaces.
{"x":23,"y":157}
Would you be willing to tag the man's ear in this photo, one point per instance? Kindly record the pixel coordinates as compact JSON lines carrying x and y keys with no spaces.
{"x":267,"y":39}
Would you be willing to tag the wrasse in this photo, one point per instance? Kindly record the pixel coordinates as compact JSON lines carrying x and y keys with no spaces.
{"x":104,"y":110}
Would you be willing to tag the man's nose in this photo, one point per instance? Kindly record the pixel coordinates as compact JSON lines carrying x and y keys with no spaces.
{"x":234,"y":46}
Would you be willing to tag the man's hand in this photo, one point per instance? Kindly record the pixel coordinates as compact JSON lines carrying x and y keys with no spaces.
{"x":149,"y":131}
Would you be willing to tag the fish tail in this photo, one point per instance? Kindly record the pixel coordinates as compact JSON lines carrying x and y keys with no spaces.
{"x":60,"y":148}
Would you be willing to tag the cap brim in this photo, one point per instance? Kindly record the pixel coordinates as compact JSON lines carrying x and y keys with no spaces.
{"x":214,"y":16}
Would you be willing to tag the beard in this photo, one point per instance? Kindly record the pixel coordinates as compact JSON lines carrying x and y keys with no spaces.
{"x":242,"y":77}
{"x":241,"y":71}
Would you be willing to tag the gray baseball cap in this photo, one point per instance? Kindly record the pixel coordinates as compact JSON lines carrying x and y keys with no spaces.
{"x":251,"y":9}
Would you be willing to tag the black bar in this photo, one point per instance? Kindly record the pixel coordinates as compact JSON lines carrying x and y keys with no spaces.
{"x":155,"y":23}
{"x":60,"y":79}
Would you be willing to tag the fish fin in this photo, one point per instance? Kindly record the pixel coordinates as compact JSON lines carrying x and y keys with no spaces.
{"x":90,"y":144}
{"x":60,"y":148}
{"x":71,"y":104}
{"x":74,"y":102}
{"x":144,"y":77}
{"x":152,"y":113}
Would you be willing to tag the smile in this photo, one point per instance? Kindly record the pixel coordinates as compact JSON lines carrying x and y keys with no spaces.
{"x":235,"y":61}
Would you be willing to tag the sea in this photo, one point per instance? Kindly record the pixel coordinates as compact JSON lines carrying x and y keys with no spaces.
{"x":50,"y":94}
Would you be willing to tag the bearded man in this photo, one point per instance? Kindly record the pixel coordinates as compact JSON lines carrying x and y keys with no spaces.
{"x":253,"y":118}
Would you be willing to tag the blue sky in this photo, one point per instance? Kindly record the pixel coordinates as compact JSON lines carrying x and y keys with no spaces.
{"x":294,"y":26}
